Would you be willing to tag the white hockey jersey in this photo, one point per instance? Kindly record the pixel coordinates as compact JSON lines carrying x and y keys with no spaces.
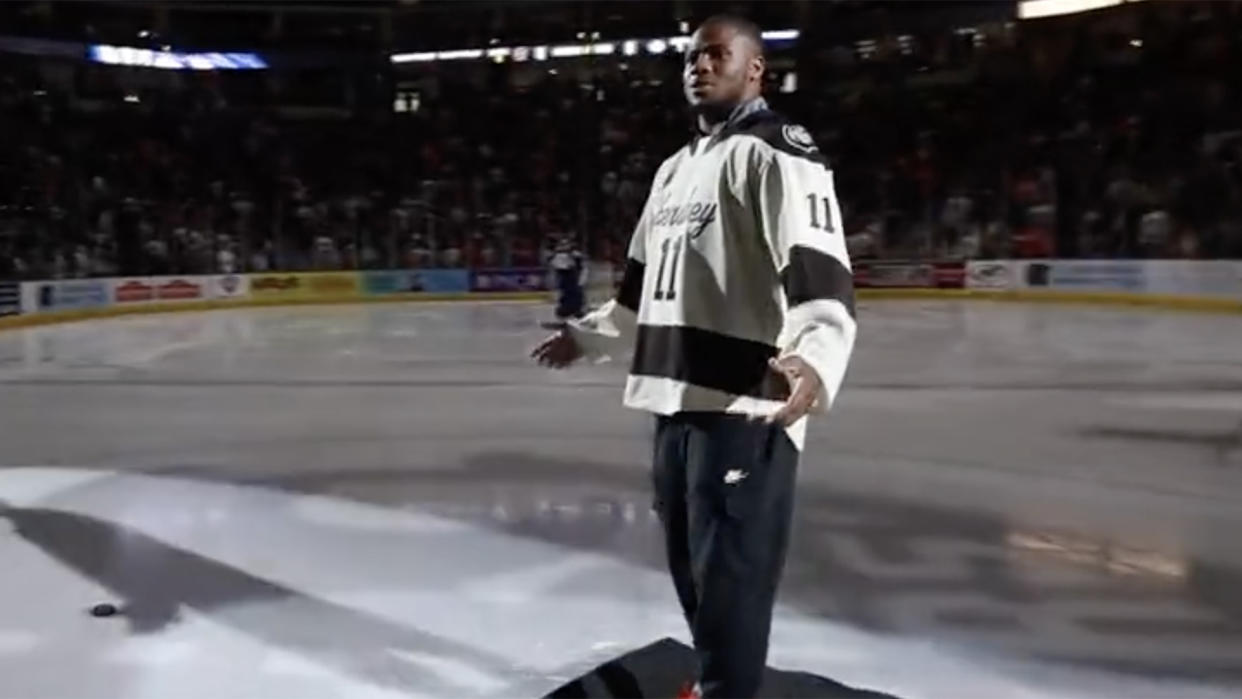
{"x":739,"y":256}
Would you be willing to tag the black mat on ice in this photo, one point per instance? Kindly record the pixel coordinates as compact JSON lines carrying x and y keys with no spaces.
{"x":659,"y":670}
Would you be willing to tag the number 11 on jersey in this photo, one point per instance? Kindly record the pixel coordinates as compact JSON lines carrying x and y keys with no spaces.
{"x":824,"y":223}
{"x":666,"y":289}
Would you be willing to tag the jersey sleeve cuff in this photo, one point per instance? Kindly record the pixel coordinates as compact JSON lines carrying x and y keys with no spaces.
{"x":826,"y":349}
{"x":602,"y":333}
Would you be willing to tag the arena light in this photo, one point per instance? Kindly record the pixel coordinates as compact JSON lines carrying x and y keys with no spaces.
{"x":173,"y":60}
{"x":160,"y":59}
{"x":1035,"y":9}
{"x":569,"y":51}
{"x":627,"y":47}
{"x":248,"y":61}
{"x":199,"y":63}
{"x":228,"y":61}
{"x":459,"y":55}
{"x":419,"y":57}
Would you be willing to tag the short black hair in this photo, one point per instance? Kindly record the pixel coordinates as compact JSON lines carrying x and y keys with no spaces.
{"x":744,"y":26}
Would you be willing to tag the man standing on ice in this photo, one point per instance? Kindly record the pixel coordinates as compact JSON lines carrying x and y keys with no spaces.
{"x":738,"y":304}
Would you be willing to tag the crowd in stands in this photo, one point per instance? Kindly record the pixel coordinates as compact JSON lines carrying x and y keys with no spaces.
{"x":955,"y":145}
{"x":1070,"y":140}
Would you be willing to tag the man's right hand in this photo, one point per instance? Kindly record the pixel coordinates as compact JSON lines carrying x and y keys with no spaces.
{"x":558,"y":351}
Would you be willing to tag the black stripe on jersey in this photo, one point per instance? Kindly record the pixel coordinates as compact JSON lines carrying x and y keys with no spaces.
{"x":812,"y":275}
{"x":631,"y":290}
{"x":709,"y":359}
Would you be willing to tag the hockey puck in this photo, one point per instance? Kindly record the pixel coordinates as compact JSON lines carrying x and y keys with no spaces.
{"x":104,"y":609}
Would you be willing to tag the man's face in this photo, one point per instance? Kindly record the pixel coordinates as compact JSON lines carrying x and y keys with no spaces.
{"x":722,"y":67}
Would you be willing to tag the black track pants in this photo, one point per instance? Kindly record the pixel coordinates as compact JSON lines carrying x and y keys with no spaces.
{"x":724,"y":491}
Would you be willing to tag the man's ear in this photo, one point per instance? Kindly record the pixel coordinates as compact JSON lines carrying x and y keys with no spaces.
{"x":755,"y":70}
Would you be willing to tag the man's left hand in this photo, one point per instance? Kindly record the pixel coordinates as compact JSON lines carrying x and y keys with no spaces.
{"x":804,"y":389}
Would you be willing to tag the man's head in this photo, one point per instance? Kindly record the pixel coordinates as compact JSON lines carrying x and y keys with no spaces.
{"x":724,"y":64}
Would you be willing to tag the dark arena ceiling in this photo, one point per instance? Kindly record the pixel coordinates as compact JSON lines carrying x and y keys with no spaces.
{"x":438,"y":24}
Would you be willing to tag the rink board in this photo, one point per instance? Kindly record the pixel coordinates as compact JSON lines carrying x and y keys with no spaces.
{"x":1179,"y":285}
{"x":1152,"y":301}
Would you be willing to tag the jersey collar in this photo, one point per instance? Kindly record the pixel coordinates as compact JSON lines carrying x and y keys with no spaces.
{"x":739,"y":113}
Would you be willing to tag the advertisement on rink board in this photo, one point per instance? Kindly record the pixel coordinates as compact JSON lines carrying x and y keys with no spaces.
{"x":10,"y":298}
{"x":148,"y":289}
{"x":436,"y":281}
{"x":331,"y":284}
{"x":514,"y":279}
{"x":909,"y":275}
{"x":180,"y":289}
{"x":1186,"y":278}
{"x":133,"y":291}
{"x":989,"y":274}
{"x":72,"y":294}
{"x":307,"y":285}
{"x":229,"y":286}
{"x":1084,"y":275}
{"x":269,"y":285}
{"x":1208,"y":278}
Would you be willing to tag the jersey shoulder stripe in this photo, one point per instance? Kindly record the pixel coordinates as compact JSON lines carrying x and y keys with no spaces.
{"x":629,"y":294}
{"x":781,"y":135}
{"x":813,"y":275}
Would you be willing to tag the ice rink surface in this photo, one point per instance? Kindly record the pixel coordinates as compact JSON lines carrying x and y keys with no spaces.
{"x":391,"y":501}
